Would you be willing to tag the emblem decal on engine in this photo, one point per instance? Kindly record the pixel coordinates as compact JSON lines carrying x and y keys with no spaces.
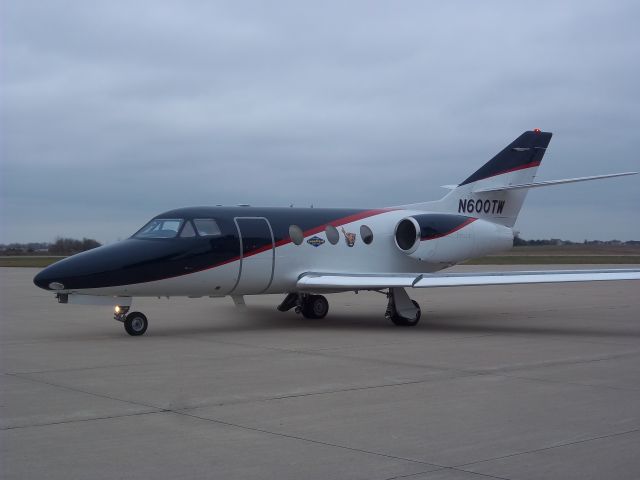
{"x":494,"y":207}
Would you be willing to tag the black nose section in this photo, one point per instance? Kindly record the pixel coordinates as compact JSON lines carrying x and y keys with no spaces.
{"x":43,"y":279}
{"x":77,"y":271}
{"x":54,"y":276}
{"x":126,"y":262}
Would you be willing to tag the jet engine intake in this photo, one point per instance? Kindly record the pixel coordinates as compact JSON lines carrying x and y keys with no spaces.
{"x":450,"y":238}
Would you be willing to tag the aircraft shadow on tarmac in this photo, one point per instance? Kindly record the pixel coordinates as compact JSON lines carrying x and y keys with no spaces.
{"x":265,"y":319}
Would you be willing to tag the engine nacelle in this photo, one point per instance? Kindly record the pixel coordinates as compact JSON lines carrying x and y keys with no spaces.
{"x":450,"y":238}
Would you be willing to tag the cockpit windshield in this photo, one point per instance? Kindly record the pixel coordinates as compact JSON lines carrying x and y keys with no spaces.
{"x":160,"y":228}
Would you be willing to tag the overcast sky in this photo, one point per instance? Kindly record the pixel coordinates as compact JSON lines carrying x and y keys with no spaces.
{"x":114,"y":111}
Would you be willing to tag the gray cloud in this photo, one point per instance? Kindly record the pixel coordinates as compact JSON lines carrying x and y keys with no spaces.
{"x":115,"y":111}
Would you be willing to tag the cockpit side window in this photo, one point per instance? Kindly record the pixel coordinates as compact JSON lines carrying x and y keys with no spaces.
{"x":160,"y":228}
{"x":187,"y":230}
{"x":207,"y":227}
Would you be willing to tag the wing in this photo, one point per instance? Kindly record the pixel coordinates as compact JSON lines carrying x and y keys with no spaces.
{"x":314,"y":281}
{"x":549,"y":183}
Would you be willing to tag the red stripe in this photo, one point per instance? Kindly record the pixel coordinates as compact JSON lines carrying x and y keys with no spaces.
{"x":286,"y":240}
{"x":335,"y":223}
{"x":461,"y":226}
{"x":514,"y":169}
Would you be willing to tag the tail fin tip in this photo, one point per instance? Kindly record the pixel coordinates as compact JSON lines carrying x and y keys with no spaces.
{"x":524,"y":152}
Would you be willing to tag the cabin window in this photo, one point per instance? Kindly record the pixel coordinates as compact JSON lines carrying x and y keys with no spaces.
{"x":366,"y":234}
{"x":332,"y":234}
{"x":295,"y":232}
{"x":187,"y":230}
{"x":160,"y":228}
{"x":207,"y":227}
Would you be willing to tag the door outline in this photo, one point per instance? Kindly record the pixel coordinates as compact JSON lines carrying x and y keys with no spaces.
{"x":273,"y":252}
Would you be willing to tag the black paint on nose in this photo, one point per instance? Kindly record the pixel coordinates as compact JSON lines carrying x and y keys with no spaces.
{"x":134,"y":261}
{"x":43,"y":279}
{"x":58,"y":273}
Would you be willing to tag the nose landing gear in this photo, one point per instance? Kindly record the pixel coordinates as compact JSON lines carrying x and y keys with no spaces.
{"x":135,"y":323}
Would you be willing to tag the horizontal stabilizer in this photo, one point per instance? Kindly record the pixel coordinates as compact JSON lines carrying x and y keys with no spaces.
{"x":343,"y":282}
{"x":551,"y":182}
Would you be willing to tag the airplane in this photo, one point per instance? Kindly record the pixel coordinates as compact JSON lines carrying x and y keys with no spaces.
{"x":306,"y":253}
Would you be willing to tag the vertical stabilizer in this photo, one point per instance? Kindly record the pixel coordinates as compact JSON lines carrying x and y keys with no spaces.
{"x":515,"y":164}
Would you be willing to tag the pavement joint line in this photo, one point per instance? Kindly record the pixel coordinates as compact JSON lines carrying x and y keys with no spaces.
{"x":387,"y":344}
{"x":551,"y":447}
{"x":478,"y":473}
{"x":97,"y":367}
{"x":575,"y":384}
{"x":241,"y":344}
{"x":309,"y":440}
{"x":409,"y":475}
{"x":311,"y":394}
{"x":447,"y":468}
{"x":459,"y":373}
{"x":335,"y":445}
{"x":489,"y":371}
{"x":158,"y":409}
{"x":77,"y":390}
{"x":80,"y":420}
{"x":79,"y":369}
{"x":592,"y":341}
{"x":558,"y":363}
{"x":500,"y":372}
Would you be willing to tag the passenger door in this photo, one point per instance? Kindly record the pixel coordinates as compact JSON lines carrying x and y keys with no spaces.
{"x":257,"y":255}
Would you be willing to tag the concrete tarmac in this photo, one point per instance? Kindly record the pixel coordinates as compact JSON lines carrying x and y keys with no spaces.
{"x":516,"y":382}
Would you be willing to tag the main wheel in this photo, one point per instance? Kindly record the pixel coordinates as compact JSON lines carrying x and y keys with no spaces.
{"x":316,"y":306}
{"x":136,"y":324}
{"x":407,"y":322}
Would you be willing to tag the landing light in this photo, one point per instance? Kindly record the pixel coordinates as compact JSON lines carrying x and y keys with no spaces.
{"x":120,"y":312}
{"x":56,"y":286}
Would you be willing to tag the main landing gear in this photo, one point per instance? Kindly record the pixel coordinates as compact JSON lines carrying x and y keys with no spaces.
{"x":311,"y":306}
{"x":135,"y":323}
{"x":401,"y":310}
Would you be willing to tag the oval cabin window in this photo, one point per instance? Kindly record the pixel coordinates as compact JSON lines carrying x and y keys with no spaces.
{"x":295,"y":232}
{"x":332,"y":234}
{"x":366,"y":234}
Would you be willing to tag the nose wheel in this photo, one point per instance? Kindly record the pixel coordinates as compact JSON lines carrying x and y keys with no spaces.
{"x":135,"y":323}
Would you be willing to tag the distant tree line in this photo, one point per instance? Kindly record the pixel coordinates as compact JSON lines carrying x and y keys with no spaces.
{"x":521,"y":242}
{"x":70,"y":246}
{"x":61,"y":246}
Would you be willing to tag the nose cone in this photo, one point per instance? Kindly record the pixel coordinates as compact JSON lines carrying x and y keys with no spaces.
{"x":74,"y":272}
{"x":45,"y":280}
{"x":58,"y":276}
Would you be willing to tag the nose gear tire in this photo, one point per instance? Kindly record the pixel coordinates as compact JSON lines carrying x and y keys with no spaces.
{"x":136,"y":324}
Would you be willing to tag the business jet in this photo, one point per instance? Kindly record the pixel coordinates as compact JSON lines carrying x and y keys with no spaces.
{"x":304,"y":253}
